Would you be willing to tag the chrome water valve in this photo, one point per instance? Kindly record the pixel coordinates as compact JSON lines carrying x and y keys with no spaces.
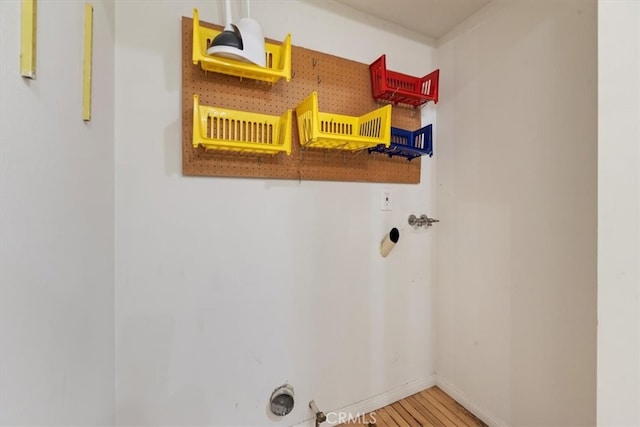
{"x":422,"y":221}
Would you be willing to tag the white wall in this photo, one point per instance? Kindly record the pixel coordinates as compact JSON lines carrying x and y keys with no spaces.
{"x":226,"y":288}
{"x":619,"y":213}
{"x":516,"y":192}
{"x":56,"y":223}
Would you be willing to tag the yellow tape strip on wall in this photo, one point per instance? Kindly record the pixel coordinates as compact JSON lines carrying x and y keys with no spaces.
{"x":28,"y":39}
{"x":86,"y":73}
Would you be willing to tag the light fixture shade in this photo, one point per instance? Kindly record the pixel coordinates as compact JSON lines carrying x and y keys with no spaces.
{"x":252,"y":44}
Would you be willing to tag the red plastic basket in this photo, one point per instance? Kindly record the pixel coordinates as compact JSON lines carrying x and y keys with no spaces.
{"x":398,"y":88}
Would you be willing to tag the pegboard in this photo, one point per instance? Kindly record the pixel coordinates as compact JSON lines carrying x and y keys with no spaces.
{"x":343,"y":86}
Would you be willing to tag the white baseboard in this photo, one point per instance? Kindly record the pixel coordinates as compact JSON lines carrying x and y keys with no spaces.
{"x":381,"y":400}
{"x":472,"y":406}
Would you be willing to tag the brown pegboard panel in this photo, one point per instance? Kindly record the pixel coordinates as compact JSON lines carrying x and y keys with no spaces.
{"x":343,"y":87}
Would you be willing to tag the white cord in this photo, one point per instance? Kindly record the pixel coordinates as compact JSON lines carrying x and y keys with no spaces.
{"x":227,"y":9}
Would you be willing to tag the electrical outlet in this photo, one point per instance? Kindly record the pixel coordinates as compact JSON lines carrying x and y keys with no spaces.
{"x":385,"y":200}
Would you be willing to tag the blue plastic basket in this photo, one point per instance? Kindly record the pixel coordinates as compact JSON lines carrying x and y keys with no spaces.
{"x":409,"y":144}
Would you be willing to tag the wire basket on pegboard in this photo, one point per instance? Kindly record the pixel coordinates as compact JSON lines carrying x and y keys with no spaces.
{"x":339,"y":132}
{"x":409,"y":144}
{"x":277,"y":57}
{"x":402,"y":89}
{"x":230,"y":130}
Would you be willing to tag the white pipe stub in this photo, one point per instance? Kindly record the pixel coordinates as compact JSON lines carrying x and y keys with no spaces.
{"x":389,"y":241}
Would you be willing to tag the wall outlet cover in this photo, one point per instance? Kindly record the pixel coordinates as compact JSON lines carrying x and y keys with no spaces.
{"x":386,"y":200}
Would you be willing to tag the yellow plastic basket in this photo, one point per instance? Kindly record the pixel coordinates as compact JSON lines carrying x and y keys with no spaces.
{"x":278,"y":57}
{"x":221,"y":129}
{"x":334,"y":131}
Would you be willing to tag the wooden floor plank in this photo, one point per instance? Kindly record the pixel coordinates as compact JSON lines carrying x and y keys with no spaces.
{"x":406,"y":415}
{"x":397,"y":418}
{"x":453,"y":412}
{"x":420,"y":400}
{"x":424,"y":422}
{"x":460,"y":410}
{"x":428,"y":396}
{"x":425,"y":412}
{"x":383,"y":418}
{"x":428,"y":408}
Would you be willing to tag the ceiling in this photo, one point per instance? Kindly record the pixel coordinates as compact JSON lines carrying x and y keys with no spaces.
{"x":432,"y":18}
